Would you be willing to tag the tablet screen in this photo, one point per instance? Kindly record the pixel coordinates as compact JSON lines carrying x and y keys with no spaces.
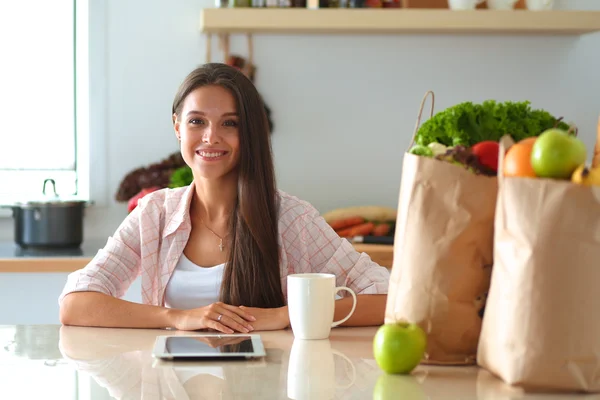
{"x":181,"y":345}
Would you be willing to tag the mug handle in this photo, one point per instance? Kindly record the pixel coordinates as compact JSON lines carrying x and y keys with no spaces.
{"x":338,"y":353}
{"x":341,"y":321}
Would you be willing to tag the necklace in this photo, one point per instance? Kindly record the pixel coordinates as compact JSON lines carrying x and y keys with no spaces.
{"x":221,"y":246}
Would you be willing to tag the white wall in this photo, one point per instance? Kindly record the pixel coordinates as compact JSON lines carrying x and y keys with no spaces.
{"x":344,"y":107}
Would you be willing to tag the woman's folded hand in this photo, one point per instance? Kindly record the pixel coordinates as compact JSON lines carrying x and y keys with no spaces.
{"x":217,"y":316}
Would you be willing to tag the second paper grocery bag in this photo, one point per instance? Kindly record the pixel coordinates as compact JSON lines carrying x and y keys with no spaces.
{"x":541,"y":328}
{"x":442,"y":255}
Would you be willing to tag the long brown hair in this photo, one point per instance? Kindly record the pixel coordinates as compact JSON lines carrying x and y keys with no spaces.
{"x":251,"y":277}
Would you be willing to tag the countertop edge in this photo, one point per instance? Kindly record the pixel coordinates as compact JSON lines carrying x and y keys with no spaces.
{"x":380,"y":253}
{"x":43,"y":264}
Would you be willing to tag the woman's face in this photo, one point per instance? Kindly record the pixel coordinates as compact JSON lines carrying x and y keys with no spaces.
{"x":208,"y":128}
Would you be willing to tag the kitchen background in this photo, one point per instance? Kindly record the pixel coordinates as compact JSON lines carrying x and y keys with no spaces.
{"x":344,"y":107}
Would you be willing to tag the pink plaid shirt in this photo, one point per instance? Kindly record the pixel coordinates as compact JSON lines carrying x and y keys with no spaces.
{"x":151,"y":240}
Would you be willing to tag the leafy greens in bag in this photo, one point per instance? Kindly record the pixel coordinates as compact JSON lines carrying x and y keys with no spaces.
{"x":468,"y":123}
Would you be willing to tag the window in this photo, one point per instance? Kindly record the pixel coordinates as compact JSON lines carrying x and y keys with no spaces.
{"x":43,"y":98}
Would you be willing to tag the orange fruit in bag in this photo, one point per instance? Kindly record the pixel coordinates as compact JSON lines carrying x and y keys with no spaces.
{"x":517,"y":161}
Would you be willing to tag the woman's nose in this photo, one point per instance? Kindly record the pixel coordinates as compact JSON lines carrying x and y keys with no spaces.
{"x":211,"y":134}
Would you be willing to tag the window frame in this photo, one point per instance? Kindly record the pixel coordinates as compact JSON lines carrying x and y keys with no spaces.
{"x":90,"y":46}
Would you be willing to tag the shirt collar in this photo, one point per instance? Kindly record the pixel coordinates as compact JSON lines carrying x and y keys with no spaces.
{"x":181,"y":213}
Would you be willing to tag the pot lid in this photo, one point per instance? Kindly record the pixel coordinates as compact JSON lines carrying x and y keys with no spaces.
{"x":50,"y":198}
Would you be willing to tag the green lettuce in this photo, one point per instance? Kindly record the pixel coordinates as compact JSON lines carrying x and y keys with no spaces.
{"x":419,"y":150}
{"x":181,"y":177}
{"x":468,"y":123}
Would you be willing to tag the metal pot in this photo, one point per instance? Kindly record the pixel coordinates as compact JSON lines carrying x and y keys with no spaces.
{"x":49,"y":222}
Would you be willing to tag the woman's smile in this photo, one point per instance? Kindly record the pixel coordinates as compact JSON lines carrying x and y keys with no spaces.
{"x":211,"y":154}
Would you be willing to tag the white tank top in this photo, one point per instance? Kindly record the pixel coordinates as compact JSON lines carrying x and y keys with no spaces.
{"x":192,"y":286}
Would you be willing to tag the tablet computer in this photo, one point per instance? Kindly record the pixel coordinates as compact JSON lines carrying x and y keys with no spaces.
{"x":208,"y":346}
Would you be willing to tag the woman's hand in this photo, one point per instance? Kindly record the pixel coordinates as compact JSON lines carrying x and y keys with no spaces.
{"x":217,"y":316}
{"x":269,"y":319}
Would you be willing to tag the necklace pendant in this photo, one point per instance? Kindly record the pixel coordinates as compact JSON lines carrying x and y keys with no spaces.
{"x":221,"y":245}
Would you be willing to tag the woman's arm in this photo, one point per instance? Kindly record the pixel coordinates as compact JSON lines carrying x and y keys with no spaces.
{"x":111,"y":272}
{"x":101,"y":310}
{"x":370,"y":311}
{"x":312,"y":246}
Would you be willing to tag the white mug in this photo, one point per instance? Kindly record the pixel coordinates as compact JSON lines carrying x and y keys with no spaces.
{"x":464,"y":4}
{"x":501,"y":4}
{"x":311,"y":304}
{"x":311,"y":370}
{"x":539,"y":5}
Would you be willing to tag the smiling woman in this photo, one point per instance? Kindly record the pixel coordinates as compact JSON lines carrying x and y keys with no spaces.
{"x":216,"y":254}
{"x":208,"y":131}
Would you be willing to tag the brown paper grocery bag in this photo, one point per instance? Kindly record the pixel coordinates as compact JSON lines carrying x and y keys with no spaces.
{"x":541,"y":328}
{"x":442,"y":254}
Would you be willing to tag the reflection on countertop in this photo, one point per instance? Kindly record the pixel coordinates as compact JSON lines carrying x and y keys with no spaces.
{"x":66,"y":361}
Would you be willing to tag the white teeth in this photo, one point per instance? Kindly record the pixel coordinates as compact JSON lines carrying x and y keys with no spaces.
{"x":205,"y":154}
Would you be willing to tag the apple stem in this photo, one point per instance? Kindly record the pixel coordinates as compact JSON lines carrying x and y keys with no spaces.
{"x":558,"y":122}
{"x":572,"y":130}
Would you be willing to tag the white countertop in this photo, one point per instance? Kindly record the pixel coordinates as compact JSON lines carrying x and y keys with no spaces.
{"x":54,"y":362}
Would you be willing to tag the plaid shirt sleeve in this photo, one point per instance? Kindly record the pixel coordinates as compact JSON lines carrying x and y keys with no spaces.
{"x":311,"y":245}
{"x":116,"y":266}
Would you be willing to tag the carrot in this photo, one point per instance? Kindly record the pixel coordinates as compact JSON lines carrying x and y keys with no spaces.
{"x":381,"y":229}
{"x":357,"y":230}
{"x":344,"y":232}
{"x":346,"y":222}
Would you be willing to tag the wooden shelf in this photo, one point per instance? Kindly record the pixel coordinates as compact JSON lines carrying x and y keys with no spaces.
{"x":397,"y":21}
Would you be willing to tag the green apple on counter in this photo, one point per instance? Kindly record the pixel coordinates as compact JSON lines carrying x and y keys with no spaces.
{"x":399,"y":347}
{"x":557,"y":154}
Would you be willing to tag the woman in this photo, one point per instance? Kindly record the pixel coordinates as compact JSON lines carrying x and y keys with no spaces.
{"x":216,"y":254}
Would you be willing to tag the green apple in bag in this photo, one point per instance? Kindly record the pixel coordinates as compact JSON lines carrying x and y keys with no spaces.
{"x":557,"y":154}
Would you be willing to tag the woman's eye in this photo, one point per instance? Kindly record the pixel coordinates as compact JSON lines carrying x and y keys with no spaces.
{"x":230,"y":123}
{"x":196,"y":121}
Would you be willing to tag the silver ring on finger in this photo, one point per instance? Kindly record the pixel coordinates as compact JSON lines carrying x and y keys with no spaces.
{"x":219,"y":318}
